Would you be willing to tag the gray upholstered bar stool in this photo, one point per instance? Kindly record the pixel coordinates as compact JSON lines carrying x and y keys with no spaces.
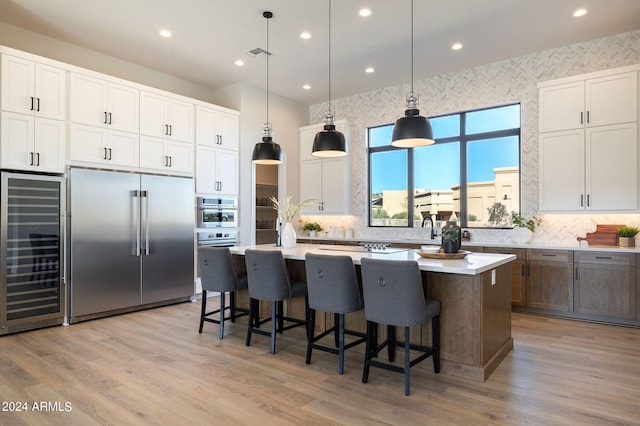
{"x":218,"y":274}
{"x":393,"y":296}
{"x":333,"y":287}
{"x":269,"y":279}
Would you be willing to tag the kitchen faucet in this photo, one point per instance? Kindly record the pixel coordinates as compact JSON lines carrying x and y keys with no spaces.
{"x":428,"y":218}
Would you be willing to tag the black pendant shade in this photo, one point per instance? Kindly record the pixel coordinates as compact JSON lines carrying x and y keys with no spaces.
{"x":267,"y":152}
{"x":329,"y":143}
{"x":412,"y":130}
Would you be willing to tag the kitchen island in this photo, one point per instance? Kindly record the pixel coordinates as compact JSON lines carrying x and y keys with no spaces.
{"x":474,"y":293}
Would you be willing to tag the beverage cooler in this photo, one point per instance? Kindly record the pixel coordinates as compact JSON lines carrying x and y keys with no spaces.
{"x":31,"y":275}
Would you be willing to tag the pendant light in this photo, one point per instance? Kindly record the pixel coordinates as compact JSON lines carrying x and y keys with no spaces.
{"x":329,"y":142}
{"x":412,"y":130}
{"x":267,"y":152}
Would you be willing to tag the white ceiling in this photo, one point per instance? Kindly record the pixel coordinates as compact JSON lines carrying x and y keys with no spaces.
{"x":209,"y":35}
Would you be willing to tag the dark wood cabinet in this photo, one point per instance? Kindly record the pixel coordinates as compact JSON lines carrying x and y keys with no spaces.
{"x":605,"y":284}
{"x":518,"y":273}
{"x":550,"y":279}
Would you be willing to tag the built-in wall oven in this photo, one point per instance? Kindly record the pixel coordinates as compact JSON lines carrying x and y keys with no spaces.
{"x":218,"y":238}
{"x":217,"y":212}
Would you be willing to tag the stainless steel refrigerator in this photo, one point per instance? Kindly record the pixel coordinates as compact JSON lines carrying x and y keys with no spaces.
{"x":131,"y":240}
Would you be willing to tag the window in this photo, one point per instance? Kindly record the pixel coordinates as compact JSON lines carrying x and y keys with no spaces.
{"x":472,"y":172}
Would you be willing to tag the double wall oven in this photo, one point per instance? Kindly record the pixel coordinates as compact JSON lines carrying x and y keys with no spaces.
{"x":217,"y":222}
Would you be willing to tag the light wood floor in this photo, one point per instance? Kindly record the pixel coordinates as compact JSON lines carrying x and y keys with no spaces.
{"x":153,"y":367}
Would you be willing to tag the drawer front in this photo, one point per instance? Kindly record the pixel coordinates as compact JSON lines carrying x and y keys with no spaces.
{"x":565,"y":256}
{"x":602,"y":257}
{"x":520,"y":253}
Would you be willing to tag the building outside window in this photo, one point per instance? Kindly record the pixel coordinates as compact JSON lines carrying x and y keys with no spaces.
{"x":471,"y":174}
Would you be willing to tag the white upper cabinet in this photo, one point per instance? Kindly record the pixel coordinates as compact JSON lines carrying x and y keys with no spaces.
{"x":166,"y":155}
{"x":99,"y":102}
{"x":588,"y":143}
{"x":588,"y":102}
{"x":165,"y":117}
{"x":93,"y":144}
{"x":217,"y":127}
{"x":33,"y":88}
{"x":326,"y":179}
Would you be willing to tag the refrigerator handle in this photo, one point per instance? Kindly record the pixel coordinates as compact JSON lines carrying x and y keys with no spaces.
{"x":136,"y":223}
{"x":145,"y":215}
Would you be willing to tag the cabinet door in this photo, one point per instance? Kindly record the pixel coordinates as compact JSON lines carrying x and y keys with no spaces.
{"x":228,"y":125}
{"x":550,"y":286}
{"x":561,"y":107}
{"x":88,"y":144}
{"x":228,"y":172}
{"x":50,"y":90}
{"x":49,"y":145}
{"x":335,"y":186}
{"x":612,"y":167}
{"x":605,"y":290}
{"x":561,"y":173}
{"x":88,"y":103}
{"x":152,"y":114}
{"x":180,"y":120}
{"x":307,"y":134}
{"x":17,"y":141}
{"x":206,"y":130}
{"x":18,"y":80}
{"x":612,"y":99}
{"x":311,"y":184}
{"x":122,"y":148}
{"x":206,"y":174}
{"x":124,"y":108}
{"x":152,"y":153}
{"x":180,"y":156}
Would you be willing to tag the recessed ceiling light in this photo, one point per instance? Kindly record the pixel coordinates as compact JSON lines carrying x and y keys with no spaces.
{"x":239,"y":63}
{"x":306,"y":87}
{"x":364,"y":12}
{"x":579,"y":12}
{"x":456,"y":46}
{"x":305,"y":35}
{"x":165,"y":33}
{"x":369,"y":70}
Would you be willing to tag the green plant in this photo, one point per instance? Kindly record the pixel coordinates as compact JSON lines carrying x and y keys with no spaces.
{"x":628,"y":231}
{"x":522,"y":222}
{"x":312,"y":226}
{"x":450,"y":233}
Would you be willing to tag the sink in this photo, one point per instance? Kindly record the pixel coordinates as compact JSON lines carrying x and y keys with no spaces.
{"x":381,"y":249}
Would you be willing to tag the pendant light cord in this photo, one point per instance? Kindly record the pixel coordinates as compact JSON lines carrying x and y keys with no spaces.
{"x":268,"y":16}
{"x":411,"y":46}
{"x":330,"y":57}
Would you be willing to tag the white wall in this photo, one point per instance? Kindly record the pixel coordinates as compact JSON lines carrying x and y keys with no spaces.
{"x":508,"y":81}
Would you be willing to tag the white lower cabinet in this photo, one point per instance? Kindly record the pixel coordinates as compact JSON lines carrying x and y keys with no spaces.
{"x":593,"y":169}
{"x":32,"y":143}
{"x":90,"y":144}
{"x":216,"y":171}
{"x":166,"y":155}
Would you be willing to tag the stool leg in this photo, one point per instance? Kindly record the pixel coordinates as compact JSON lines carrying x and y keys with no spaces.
{"x":341,"y":343}
{"x":391,"y":337}
{"x":232,"y":305}
{"x":312,"y":324}
{"x":407,"y":359}
{"x":203,"y":310}
{"x":280,"y":316}
{"x":274,"y":315}
{"x":435,"y":344}
{"x":252,"y":314}
{"x":367,"y":351}
{"x":336,"y":333}
{"x":222,"y":305}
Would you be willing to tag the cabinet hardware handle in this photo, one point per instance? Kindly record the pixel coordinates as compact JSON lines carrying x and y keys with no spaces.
{"x":38,"y":108}
{"x":588,"y":116}
{"x":170,"y":130}
{"x":31,"y":158}
{"x":581,"y":200}
{"x":166,"y":161}
{"x":588,"y":200}
{"x":581,"y":117}
{"x":31,"y":103}
{"x":170,"y":161}
{"x":166,"y":130}
{"x":109,"y":118}
{"x":548,"y":255}
{"x":109,"y":153}
{"x":37,"y":159}
{"x":604,"y":257}
{"x":522,"y":270}
{"x":577,"y":275}
{"x":105,"y":154}
{"x":105,"y":118}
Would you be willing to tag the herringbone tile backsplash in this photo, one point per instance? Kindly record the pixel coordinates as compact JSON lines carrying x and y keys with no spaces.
{"x":508,"y":81}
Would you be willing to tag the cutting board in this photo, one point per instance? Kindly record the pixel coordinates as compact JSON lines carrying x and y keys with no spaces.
{"x":605,"y":235}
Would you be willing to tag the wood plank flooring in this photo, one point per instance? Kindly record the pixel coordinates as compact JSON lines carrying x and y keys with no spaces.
{"x":153,"y":367}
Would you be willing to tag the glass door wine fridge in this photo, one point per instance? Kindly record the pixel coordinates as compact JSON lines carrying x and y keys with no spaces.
{"x":31,"y":221}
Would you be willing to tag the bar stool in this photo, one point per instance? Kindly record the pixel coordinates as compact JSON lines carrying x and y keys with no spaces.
{"x":268,"y":279}
{"x":217,"y":273}
{"x":333,"y":287}
{"x":393,"y":295}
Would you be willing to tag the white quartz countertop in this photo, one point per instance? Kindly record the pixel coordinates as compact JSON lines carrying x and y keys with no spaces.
{"x":472,"y":264}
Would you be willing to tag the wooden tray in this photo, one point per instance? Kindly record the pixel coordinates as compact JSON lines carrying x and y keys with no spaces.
{"x":605,"y":235}
{"x":459,"y":255}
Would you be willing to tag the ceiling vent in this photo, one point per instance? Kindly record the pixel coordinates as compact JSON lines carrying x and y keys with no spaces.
{"x":259,"y":51}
